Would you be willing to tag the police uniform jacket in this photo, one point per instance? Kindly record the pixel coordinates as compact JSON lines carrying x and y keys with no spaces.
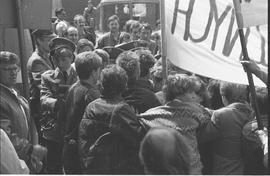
{"x":54,"y":88}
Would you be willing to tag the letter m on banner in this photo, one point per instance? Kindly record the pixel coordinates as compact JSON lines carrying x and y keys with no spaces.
{"x":250,"y":12}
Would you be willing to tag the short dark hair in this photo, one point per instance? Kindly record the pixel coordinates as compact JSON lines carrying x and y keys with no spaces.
{"x":147,"y":61}
{"x":129,"y":61}
{"x":128,"y":24}
{"x":104,"y":56}
{"x":112,"y":18}
{"x":135,"y":24}
{"x":179,"y":84}
{"x":86,"y":62}
{"x":234,"y":92}
{"x":7,"y":57}
{"x":58,"y":11}
{"x":113,"y":80}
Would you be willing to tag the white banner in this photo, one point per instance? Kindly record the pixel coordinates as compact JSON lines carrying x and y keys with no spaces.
{"x":251,"y":12}
{"x":202,"y":37}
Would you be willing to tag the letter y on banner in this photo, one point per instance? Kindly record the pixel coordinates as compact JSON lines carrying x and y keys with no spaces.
{"x":250,"y":12}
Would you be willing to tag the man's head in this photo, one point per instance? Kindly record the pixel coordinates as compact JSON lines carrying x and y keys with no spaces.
{"x":113,"y":23}
{"x":84,"y":45}
{"x":104,"y":56}
{"x":61,"y":29}
{"x":146,"y":32}
{"x":62,"y":51}
{"x":42,"y":39}
{"x":72,"y":34}
{"x":79,"y":21}
{"x":90,"y":5}
{"x":147,"y":61}
{"x":232,"y":93}
{"x":135,"y":29}
{"x":113,"y":80}
{"x":60,"y":13}
{"x":88,"y":65}
{"x":129,"y":61}
{"x":9,"y":67}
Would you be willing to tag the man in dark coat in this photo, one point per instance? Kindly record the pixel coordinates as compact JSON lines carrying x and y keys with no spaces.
{"x":81,"y":93}
{"x":37,"y":64}
{"x":15,"y":117}
{"x":139,"y":98}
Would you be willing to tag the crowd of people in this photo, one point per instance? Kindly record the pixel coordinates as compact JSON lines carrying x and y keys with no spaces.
{"x":100,"y":105}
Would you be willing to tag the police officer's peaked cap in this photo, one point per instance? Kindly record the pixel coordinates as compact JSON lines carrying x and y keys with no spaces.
{"x":60,"y":42}
{"x":43,"y":33}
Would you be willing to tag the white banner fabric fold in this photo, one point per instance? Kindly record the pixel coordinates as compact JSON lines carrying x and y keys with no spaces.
{"x":202,"y":37}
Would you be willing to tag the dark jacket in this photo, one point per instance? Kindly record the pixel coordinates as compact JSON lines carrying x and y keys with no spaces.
{"x":37,"y":64}
{"x":79,"y":96}
{"x":15,"y":120}
{"x":228,"y":151}
{"x":89,"y":34}
{"x":53,"y":92}
{"x":115,"y":116}
{"x":139,"y":98}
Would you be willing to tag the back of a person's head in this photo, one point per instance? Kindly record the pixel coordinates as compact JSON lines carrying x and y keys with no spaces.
{"x":215,"y":97}
{"x":161,"y":159}
{"x":83,"y":43}
{"x":128,"y":24}
{"x":129,"y":61}
{"x":135,"y":24}
{"x":86,"y":63}
{"x":147,"y":61}
{"x":234,"y":93}
{"x":104,"y":56}
{"x":113,"y":80}
{"x":178,"y":85}
{"x":61,"y":29}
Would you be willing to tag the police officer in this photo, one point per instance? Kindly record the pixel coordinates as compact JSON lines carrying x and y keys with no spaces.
{"x":54,"y":86}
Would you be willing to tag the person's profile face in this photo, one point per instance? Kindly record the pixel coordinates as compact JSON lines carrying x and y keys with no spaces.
{"x":113,"y":26}
{"x":8,"y":74}
{"x":44,"y":43}
{"x":62,"y":15}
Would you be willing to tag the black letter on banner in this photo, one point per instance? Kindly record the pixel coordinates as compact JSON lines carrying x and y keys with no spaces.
{"x":174,"y":16}
{"x":228,"y":46}
{"x":218,"y":20}
{"x":263,"y":42}
{"x":207,"y":29}
{"x":188,"y":16}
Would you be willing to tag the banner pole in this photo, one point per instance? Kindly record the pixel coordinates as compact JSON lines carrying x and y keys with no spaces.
{"x":22,"y":49}
{"x":163,"y":43}
{"x":250,"y":80}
